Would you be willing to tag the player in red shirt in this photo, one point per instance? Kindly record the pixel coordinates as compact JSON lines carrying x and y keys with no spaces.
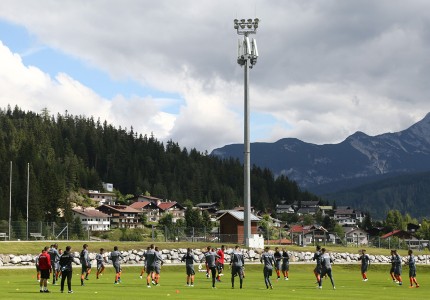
{"x":45,"y":269}
{"x":220,"y":262}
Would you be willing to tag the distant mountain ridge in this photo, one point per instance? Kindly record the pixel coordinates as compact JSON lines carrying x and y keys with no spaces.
{"x":358,"y":158}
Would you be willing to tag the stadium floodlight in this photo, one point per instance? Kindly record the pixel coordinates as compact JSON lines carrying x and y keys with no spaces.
{"x":247,"y":54}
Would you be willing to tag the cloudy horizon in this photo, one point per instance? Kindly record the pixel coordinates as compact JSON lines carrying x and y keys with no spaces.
{"x":326,"y":68}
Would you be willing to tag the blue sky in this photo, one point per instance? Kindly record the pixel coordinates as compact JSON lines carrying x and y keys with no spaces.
{"x":326,"y":68}
{"x":53,"y":61}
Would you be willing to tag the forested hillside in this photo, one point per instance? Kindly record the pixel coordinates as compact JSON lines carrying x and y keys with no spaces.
{"x":68,"y":152}
{"x":406,"y":193}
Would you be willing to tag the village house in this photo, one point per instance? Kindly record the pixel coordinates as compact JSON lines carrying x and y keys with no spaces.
{"x":356,"y":236}
{"x":305,"y":204}
{"x":326,"y":210}
{"x":92,"y":219}
{"x":102,"y":198}
{"x":121,"y":216}
{"x":231,"y":227}
{"x":172,"y":207}
{"x":346,"y":216}
{"x":284,"y":209}
{"x":149,"y":209}
{"x":309,"y":234}
{"x":145,"y":198}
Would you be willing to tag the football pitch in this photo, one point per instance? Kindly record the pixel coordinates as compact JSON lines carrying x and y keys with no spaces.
{"x":22,"y":284}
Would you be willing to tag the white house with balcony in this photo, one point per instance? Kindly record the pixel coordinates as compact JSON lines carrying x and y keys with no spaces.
{"x":102,"y":198}
{"x":356,"y":236}
{"x":92,"y":219}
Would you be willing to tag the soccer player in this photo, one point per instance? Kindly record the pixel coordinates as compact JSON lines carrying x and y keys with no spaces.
{"x":278,"y":258}
{"x":326,"y":262}
{"x":58,"y":274}
{"x":210,"y":257}
{"x":85,"y":263}
{"x":157,"y":267}
{"x":365,"y":261}
{"x":392,"y":268}
{"x":65,"y":263}
{"x":45,"y":268}
{"x":220,"y":262}
{"x":397,"y":267}
{"x":285,"y":263}
{"x":268,"y":261}
{"x":150,"y":265}
{"x":412,"y":270}
{"x":100,"y":263}
{"x":144,"y":264}
{"x":115,"y":256}
{"x":189,"y":259}
{"x":55,"y":258}
{"x":317,"y":270}
{"x":36,"y":261}
{"x":237,"y":264}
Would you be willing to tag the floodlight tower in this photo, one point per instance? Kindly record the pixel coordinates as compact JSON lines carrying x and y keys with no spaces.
{"x":247,"y":55}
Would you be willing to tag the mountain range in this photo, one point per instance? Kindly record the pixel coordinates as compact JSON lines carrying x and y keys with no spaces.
{"x":358,"y":160}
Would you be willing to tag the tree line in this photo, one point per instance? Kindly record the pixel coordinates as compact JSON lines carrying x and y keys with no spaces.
{"x":67,"y":153}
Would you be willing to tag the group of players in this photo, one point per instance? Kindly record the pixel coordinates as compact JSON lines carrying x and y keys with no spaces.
{"x":58,"y":263}
{"x":323,"y":267}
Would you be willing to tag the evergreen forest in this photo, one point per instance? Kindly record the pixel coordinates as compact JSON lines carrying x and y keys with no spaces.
{"x":67,"y":153}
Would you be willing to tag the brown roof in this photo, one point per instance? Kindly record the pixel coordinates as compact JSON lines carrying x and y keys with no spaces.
{"x":121,"y":208}
{"x":139,"y":205}
{"x":167,"y":205}
{"x":153,"y":199}
{"x":94,"y":213}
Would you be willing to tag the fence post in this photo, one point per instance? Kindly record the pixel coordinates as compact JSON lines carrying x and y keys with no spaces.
{"x":204,"y":233}
{"x":67,"y":233}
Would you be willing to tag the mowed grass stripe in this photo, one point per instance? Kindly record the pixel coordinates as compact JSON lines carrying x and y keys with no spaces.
{"x":22,"y":284}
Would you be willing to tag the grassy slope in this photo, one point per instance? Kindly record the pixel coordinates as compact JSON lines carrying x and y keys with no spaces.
{"x":22,"y":285}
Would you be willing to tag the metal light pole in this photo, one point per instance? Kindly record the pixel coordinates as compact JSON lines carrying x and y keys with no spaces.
{"x":247,"y":54}
{"x":10,"y":199}
{"x":28,"y":192}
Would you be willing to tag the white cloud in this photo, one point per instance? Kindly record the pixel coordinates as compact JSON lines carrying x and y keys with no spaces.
{"x":31,"y":89}
{"x":326,"y":68}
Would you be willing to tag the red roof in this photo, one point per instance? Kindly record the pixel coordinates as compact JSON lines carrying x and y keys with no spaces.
{"x":139,"y":205}
{"x":296,"y":229}
{"x":166,"y":205}
{"x":392,"y":233}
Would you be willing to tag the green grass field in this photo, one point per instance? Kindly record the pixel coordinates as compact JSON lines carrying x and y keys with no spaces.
{"x":22,"y":284}
{"x":34,"y":247}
